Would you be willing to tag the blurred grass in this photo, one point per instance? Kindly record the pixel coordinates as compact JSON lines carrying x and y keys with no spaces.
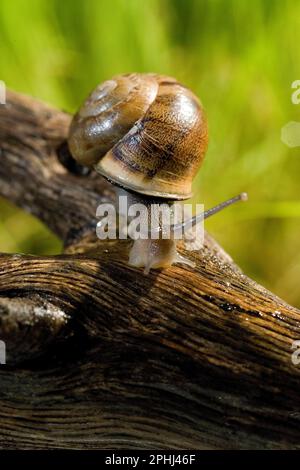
{"x":239,"y":57}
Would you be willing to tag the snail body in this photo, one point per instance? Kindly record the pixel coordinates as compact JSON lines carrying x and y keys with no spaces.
{"x":149,"y":252}
{"x":147,"y":134}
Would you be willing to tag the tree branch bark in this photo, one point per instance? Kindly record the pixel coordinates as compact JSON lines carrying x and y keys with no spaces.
{"x":100,"y":355}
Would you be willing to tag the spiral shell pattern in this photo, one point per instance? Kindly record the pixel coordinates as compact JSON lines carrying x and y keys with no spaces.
{"x":144,"y":132}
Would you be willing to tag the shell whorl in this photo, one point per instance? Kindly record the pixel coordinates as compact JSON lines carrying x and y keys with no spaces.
{"x":145,"y":132}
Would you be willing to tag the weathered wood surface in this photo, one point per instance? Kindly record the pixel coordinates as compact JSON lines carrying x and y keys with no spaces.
{"x":100,"y":355}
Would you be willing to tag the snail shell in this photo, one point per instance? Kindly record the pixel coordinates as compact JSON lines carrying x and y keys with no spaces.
{"x":144,"y":132}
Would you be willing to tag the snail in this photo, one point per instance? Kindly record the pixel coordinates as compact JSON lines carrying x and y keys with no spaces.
{"x":147,"y":134}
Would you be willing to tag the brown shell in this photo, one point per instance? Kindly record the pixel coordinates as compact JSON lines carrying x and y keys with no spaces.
{"x":144,"y":132}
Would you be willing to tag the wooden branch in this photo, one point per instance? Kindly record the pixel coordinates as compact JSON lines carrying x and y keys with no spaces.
{"x":31,"y":175}
{"x":100,"y":355}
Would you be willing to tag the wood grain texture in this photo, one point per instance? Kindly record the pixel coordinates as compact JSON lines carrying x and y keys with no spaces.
{"x":101,"y":356}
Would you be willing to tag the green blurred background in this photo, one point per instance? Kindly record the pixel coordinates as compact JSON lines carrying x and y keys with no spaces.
{"x":240,"y":57}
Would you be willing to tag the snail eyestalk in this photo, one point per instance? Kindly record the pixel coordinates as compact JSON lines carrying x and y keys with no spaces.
{"x":187,"y":224}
